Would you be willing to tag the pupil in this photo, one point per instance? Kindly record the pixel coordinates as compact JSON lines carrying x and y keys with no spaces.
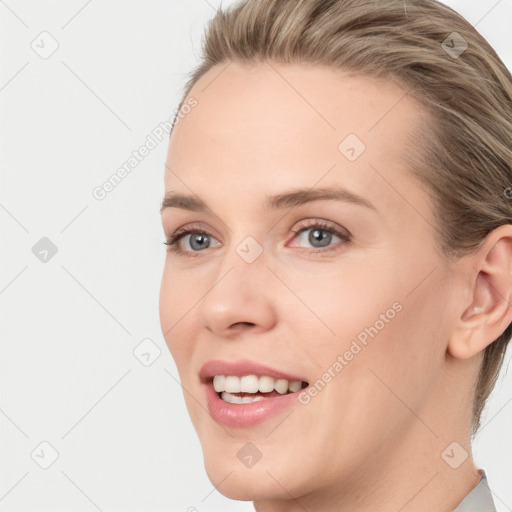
{"x":316,"y":236}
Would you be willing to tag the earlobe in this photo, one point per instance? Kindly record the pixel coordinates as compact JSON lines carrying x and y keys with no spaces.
{"x":490,"y":310}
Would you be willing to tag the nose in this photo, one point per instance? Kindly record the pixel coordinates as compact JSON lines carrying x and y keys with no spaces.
{"x":239,"y":298}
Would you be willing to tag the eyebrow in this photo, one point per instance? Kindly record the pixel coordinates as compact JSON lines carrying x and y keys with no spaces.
{"x":293,"y":198}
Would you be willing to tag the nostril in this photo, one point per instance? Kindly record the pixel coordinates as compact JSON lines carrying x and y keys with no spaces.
{"x":250,"y":324}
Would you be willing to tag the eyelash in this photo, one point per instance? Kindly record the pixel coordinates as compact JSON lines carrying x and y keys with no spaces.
{"x":173,"y":241}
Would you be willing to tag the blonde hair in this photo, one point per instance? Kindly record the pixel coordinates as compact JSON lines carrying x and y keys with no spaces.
{"x":464,"y":154}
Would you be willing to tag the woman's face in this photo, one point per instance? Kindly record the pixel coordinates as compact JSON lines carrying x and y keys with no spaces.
{"x":288,"y":287}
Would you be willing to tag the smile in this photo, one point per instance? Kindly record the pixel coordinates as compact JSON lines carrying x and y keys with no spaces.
{"x":244,"y":394}
{"x":251,"y":388}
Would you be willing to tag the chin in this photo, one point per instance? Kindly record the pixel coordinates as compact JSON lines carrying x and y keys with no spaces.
{"x":278,"y":473}
{"x":244,"y":484}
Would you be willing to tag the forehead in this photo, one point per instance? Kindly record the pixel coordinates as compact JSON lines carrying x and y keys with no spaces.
{"x":263,"y":127}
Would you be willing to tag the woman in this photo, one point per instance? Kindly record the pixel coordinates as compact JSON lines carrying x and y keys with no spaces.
{"x":336,"y":292}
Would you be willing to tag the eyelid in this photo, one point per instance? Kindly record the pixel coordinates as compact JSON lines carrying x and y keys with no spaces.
{"x":309,"y":223}
{"x":194,"y":227}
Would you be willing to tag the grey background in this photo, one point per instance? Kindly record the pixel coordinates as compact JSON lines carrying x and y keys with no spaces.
{"x":70,"y":324}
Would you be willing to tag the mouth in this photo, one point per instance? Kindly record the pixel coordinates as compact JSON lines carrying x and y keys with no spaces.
{"x":253,"y":388}
{"x":244,"y":394}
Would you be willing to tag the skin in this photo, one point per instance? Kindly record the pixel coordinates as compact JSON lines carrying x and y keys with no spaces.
{"x":375,"y":433}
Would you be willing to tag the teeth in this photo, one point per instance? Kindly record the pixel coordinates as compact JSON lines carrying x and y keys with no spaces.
{"x":249,"y":384}
{"x":281,"y":386}
{"x":253,"y":384}
{"x":266,"y":384}
{"x":219,"y":382}
{"x":232,"y":385}
{"x":295,"y":385}
{"x":233,"y":399}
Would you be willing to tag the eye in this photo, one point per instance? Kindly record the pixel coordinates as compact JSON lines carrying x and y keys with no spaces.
{"x":198,"y":239}
{"x":319,"y":234}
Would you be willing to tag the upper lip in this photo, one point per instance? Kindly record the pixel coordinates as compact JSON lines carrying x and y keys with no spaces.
{"x":242,"y":367}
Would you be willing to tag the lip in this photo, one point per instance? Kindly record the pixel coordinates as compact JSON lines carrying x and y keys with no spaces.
{"x":241,"y":368}
{"x":244,"y":415}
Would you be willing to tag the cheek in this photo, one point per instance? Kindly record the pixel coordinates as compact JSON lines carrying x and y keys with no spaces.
{"x":366,"y":391}
{"x":350,"y":303}
{"x":176,"y":302}
{"x":384,"y":340}
{"x":398,"y":363}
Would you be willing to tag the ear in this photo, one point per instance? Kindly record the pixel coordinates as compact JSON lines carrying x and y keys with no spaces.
{"x":490,"y":290}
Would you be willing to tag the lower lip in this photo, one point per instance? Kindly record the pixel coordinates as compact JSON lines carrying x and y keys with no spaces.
{"x":245,"y":415}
